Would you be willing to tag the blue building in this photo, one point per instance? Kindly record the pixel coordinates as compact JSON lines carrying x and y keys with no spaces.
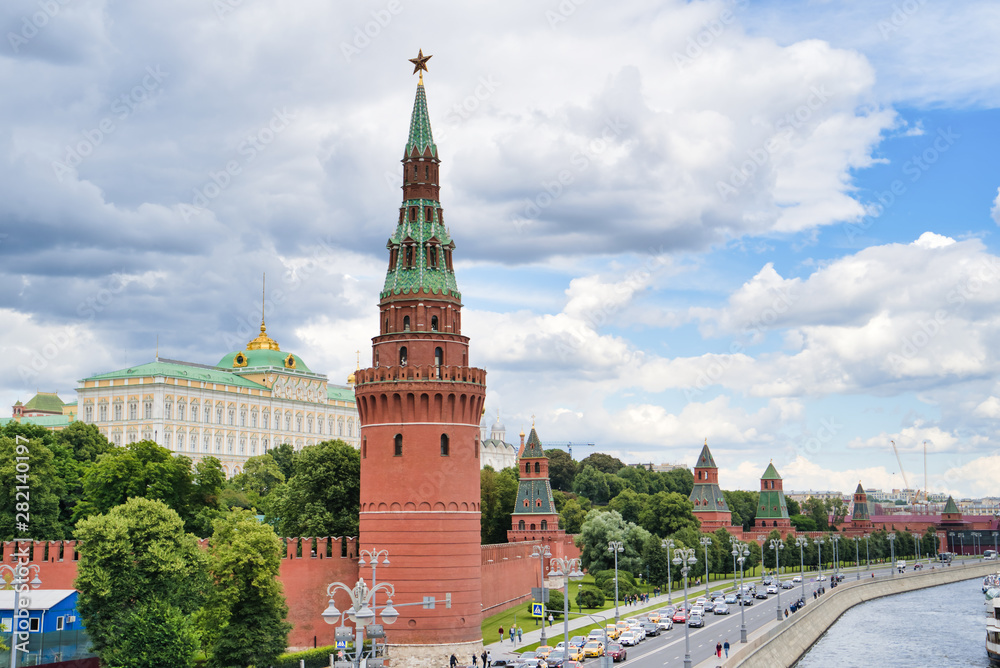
{"x":55,"y":627}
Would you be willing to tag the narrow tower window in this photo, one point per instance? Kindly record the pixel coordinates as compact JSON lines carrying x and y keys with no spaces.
{"x":406,"y":323}
{"x":402,"y":356}
{"x":538,"y":467}
{"x":398,"y":446}
{"x":520,"y":525}
{"x":545,"y":525}
{"x":444,"y":445}
{"x":364,"y":448}
{"x":434,"y":323}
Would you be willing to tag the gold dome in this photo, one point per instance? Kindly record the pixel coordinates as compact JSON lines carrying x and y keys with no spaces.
{"x":263,"y":341}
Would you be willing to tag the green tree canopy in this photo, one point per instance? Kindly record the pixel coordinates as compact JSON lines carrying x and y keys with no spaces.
{"x":591,"y":484}
{"x":603,"y":526}
{"x":562,"y":469}
{"x":323,"y":495}
{"x":573,"y":514}
{"x":743,"y":506}
{"x":498,"y":492}
{"x":665,"y":513}
{"x":140,"y":578}
{"x":30,"y":488}
{"x":603,"y":463}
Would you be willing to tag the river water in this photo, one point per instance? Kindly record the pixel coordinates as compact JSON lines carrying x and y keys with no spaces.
{"x":940,"y":626}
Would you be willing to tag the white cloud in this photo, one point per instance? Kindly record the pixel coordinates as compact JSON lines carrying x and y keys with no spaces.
{"x":995,"y":211}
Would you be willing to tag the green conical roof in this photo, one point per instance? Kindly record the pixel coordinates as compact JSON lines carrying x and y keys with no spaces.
{"x":860,"y":490}
{"x":705,"y":459}
{"x":533,"y":446}
{"x":420,"y":126}
{"x":771,"y":473}
{"x":951,"y":507}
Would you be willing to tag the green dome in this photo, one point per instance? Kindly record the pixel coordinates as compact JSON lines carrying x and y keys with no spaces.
{"x":262,"y":358}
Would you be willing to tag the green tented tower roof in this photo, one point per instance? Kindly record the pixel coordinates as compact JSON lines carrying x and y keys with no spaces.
{"x":705,"y":459}
{"x":533,"y":446}
{"x":951,"y":507}
{"x":48,"y":402}
{"x":770,"y":473}
{"x":420,"y":137}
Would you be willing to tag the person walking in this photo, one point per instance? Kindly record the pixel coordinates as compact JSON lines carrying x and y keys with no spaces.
{"x":453,"y":661}
{"x":513,"y":634}
{"x":475,"y":660}
{"x":786,"y":613}
{"x":551,"y":619}
{"x":489,"y":659}
{"x":718,"y":650}
{"x":501,"y":635}
{"x":483,"y":657}
{"x":519,"y":633}
{"x":725,"y":647}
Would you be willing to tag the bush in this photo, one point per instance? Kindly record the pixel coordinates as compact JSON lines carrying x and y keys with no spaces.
{"x":600,"y":577}
{"x":590,"y":598}
{"x":315,"y":658}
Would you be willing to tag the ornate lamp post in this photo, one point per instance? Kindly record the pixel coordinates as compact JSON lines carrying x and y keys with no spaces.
{"x":819,"y":556}
{"x":373,"y":557}
{"x":541,"y":552}
{"x":741,"y":552}
{"x":684,"y":557}
{"x":961,"y":538}
{"x":952,"y":535}
{"x":568,"y":569}
{"x":705,"y":542}
{"x":777,"y":545}
{"x":857,"y":558}
{"x":802,"y":541}
{"x":868,"y":554}
{"x":975,"y":542}
{"x":892,"y":552}
{"x":836,"y":555}
{"x":668,"y":545}
{"x":362,"y":613}
{"x":19,"y":573}
{"x":614,"y":547}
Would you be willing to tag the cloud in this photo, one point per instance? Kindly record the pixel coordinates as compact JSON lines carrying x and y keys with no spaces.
{"x":995,"y":211}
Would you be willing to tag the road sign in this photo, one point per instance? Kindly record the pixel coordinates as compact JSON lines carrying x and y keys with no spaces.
{"x":537,"y":610}
{"x":341,"y":644}
{"x":540,"y":594}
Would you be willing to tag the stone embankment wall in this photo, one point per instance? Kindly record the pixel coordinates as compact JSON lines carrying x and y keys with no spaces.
{"x":786,"y":642}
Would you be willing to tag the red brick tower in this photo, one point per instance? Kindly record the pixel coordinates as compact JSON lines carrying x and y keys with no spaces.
{"x":420,"y":404}
{"x":860,"y":513}
{"x":771,"y":509}
{"x":709,"y":504}
{"x":534,"y":516}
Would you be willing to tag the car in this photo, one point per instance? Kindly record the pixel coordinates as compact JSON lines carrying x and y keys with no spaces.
{"x":665,"y":623}
{"x":701,"y":600}
{"x":622,"y":626}
{"x":820,"y":578}
{"x":787,"y":585}
{"x":696,"y":621}
{"x":767,"y":579}
{"x":771,"y":589}
{"x":574,"y":653}
{"x":593,"y":648}
{"x":505,"y":663}
{"x":653,"y":616}
{"x":667,"y":612}
{"x":709,"y":606}
{"x":901,"y":565}
{"x":746,"y":601}
{"x":617,"y":652}
{"x":638,"y":630}
{"x":731,"y":599}
{"x":578,"y":641}
{"x":597,"y":635}
{"x":556,"y":659}
{"x":797,"y":579}
{"x":628,"y":639}
{"x":650,"y":628}
{"x":698,"y":610}
{"x":560,"y":646}
{"x":613,"y":631}
{"x":527,"y":656}
{"x":721,"y":609}
{"x":679,"y":617}
{"x":762,"y":595}
{"x":543,"y":651}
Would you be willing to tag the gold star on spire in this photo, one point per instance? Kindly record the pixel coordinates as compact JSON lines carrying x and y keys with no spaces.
{"x":420,"y":64}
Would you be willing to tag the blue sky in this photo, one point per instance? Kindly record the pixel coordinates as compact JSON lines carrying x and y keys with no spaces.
{"x":775,"y":227}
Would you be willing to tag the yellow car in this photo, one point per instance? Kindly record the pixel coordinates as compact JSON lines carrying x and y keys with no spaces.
{"x":543,"y":652}
{"x":653,"y":617}
{"x":593,"y":648}
{"x":622,"y":626}
{"x":613,"y":631}
{"x":575,"y":653}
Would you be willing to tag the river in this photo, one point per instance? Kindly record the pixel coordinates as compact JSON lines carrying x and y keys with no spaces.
{"x":940,"y":626}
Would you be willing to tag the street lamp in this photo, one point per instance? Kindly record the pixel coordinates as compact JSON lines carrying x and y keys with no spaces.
{"x":857,"y":558}
{"x":668,"y":545}
{"x":952,"y":534}
{"x":19,"y":573}
{"x":373,"y":557}
{"x":994,"y":541}
{"x":802,"y":541}
{"x":868,"y":554}
{"x":541,"y":552}
{"x":961,"y":538}
{"x":684,"y":557}
{"x":975,"y":540}
{"x":892,"y":552}
{"x":362,"y":613}
{"x":705,"y":542}
{"x":819,"y":556}
{"x":835,"y":538}
{"x":565,"y":568}
{"x":741,"y":551}
{"x":614,"y":547}
{"x":777,"y":545}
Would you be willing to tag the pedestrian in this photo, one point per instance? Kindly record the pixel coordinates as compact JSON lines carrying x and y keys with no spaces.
{"x":718,"y":649}
{"x":454,"y":661}
{"x":519,"y":633}
{"x":551,"y":619}
{"x":475,"y":660}
{"x":489,"y":660}
{"x":501,"y":635}
{"x":725,"y":646}
{"x":786,"y":613}
{"x":513,"y":634}
{"x":483,"y":657}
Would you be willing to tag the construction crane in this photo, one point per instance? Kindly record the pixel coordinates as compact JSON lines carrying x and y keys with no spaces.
{"x":568,"y":445}
{"x":903,"y":473}
{"x":900,"y":462}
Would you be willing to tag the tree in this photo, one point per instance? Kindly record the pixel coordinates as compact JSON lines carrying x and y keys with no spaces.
{"x":140,"y":579}
{"x":678,"y":480}
{"x":666,"y":513}
{"x":284,"y":457}
{"x":743,"y":506}
{"x":562,"y":469}
{"x":837,"y":509}
{"x":603,"y":463}
{"x":205,"y":503}
{"x":592,"y":485}
{"x":323,"y":496}
{"x":629,"y":504}
{"x":498,"y":492}
{"x":603,"y":526}
{"x":29,"y":487}
{"x":635,"y":478}
{"x":655,"y":558}
{"x":573,"y":514}
{"x":250,"y":489}
{"x":793,"y":506}
{"x":816,"y":509}
{"x":803,"y":523}
{"x":246,"y":609}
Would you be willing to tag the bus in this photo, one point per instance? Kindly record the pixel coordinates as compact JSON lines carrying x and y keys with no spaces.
{"x":990,"y":555}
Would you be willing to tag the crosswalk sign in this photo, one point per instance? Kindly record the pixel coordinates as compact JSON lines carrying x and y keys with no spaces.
{"x":537,"y":610}
{"x":341,"y":644}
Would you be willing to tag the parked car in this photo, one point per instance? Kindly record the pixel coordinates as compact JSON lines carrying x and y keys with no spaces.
{"x":696,"y":621}
{"x":650,"y":628}
{"x":721,"y":609}
{"x":617,"y":652}
{"x":593,"y":648}
{"x":628,"y":639}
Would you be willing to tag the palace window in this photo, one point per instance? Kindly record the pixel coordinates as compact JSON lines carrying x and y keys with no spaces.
{"x":218,"y":414}
{"x":298,"y":423}
{"x":538,"y":467}
{"x":102,"y":412}
{"x":545,"y":525}
{"x":520,"y":525}
{"x":288,"y":421}
{"x":243,"y":445}
{"x":180,"y":442}
{"x":147,"y":410}
{"x":253,"y":418}
{"x":133,"y":411}
{"x":204,"y":443}
{"x":243,"y":417}
{"x":181,"y":406}
{"x":398,"y":446}
{"x":229,"y":444}
{"x":265,"y":419}
{"x":208,"y":413}
{"x":168,"y":410}
{"x":88,"y":414}
{"x":166,"y":440}
{"x":309,"y":425}
{"x":232,"y":417}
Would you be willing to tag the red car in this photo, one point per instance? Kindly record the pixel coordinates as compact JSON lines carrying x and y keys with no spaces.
{"x":617,"y":652}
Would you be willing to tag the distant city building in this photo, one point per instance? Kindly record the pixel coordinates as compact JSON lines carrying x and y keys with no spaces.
{"x":45,"y":409}
{"x":661,"y":468}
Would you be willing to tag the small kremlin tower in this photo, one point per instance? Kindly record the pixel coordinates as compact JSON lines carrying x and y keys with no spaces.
{"x":860,"y":514}
{"x":771,"y":509}
{"x":709,"y":503}
{"x":534,"y":516}
{"x":420,"y":405}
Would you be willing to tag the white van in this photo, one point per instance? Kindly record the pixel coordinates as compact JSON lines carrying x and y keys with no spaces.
{"x":990,"y":555}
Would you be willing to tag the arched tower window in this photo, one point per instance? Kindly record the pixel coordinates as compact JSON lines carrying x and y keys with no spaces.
{"x":444,"y":445}
{"x":402,"y":356}
{"x":364,"y":448}
{"x":527,"y":467}
{"x":438,"y":357}
{"x":545,"y":525}
{"x":406,"y":323}
{"x":538,"y":467}
{"x":398,"y":446}
{"x":434,"y":323}
{"x":520,"y":525}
